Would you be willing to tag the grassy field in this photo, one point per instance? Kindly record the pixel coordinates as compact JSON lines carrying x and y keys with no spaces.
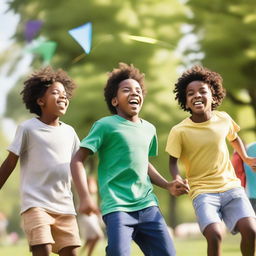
{"x":184,"y":247}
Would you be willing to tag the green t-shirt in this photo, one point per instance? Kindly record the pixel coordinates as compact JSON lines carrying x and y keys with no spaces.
{"x":123,"y":148}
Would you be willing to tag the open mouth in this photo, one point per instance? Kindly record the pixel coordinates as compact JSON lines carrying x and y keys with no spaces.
{"x":134,"y":102}
{"x":197,"y":103}
{"x":62,"y":104}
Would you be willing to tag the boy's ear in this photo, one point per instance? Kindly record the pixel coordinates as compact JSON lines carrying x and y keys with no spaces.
{"x":40,"y":102}
{"x":114,"y":102}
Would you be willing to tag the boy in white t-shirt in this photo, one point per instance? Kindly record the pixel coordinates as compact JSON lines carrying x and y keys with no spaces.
{"x":45,"y":147}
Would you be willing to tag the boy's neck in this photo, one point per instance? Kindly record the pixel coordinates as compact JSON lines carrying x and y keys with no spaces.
{"x":200,"y":118}
{"x":134,"y":119}
{"x":52,"y":121}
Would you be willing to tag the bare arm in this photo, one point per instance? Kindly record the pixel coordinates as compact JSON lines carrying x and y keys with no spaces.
{"x":156,"y":178}
{"x":173,"y":167}
{"x":175,"y":187}
{"x":238,"y":145}
{"x":7,"y":167}
{"x":180,"y":186}
{"x":79,"y":178}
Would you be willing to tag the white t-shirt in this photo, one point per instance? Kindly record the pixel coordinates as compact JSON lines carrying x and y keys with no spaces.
{"x":45,"y":153}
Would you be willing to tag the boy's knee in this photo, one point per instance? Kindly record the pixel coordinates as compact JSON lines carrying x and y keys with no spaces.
{"x":70,"y":250}
{"x":250,"y":233}
{"x":213,"y":233}
{"x":247,"y":227}
{"x":215,"y":236}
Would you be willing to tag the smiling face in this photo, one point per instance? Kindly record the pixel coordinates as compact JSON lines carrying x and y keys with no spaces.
{"x":54,"y":102}
{"x":129,"y":100}
{"x":199,"y":99}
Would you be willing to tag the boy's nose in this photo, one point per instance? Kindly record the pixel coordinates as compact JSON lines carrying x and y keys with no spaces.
{"x":134,"y":92}
{"x":63,"y":96}
{"x":197,"y":95}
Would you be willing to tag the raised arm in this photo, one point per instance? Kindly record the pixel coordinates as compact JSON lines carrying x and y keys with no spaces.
{"x":79,"y":178}
{"x":7,"y":167}
{"x":238,"y":145}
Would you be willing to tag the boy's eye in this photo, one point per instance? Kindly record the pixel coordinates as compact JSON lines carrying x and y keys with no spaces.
{"x":59,"y":93}
{"x":189,"y":93}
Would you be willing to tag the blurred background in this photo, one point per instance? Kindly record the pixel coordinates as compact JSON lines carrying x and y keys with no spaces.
{"x":161,"y":38}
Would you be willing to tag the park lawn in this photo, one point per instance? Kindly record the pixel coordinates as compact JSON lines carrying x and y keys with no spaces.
{"x":184,"y":247}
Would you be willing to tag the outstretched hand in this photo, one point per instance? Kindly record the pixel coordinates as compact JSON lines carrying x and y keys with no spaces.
{"x":178,"y":187}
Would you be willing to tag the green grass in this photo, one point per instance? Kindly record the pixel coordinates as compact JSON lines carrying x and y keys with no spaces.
{"x":198,"y":246}
{"x":184,"y":247}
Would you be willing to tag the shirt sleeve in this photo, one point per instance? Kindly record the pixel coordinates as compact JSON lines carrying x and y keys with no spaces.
{"x":233,"y":129}
{"x":18,"y":145}
{"x":76,"y":144}
{"x":94,"y":139}
{"x":173,"y":146}
{"x":153,"y":149}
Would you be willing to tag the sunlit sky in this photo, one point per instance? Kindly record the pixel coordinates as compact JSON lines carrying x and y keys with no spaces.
{"x":8,"y":24}
{"x":7,"y":28}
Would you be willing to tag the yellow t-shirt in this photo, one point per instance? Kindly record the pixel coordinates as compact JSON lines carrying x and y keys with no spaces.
{"x":202,"y":149}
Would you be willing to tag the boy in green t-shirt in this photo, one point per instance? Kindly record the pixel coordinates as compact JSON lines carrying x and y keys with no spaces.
{"x":124,"y":142}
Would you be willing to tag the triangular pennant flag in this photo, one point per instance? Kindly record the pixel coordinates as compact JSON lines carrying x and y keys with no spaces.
{"x":83,"y":35}
{"x":45,"y":48}
{"x":31,"y":29}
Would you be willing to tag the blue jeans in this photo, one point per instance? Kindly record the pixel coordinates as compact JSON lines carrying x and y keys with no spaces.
{"x":146,"y":227}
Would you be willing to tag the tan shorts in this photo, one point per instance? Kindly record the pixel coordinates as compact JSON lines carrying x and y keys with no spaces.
{"x":42,"y":227}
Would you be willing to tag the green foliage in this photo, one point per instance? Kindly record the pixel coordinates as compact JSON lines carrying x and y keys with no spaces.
{"x":10,"y":192}
{"x":226,"y":32}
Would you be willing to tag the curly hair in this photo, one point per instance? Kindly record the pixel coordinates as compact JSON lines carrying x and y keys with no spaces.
{"x":123,"y":72}
{"x":37,"y":84}
{"x":199,"y":73}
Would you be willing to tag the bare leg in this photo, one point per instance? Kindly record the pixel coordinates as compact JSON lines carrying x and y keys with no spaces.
{"x":83,"y":248}
{"x":90,"y":244}
{"x":247,"y":229}
{"x":68,"y":251}
{"x":213,"y":235}
{"x":41,"y":250}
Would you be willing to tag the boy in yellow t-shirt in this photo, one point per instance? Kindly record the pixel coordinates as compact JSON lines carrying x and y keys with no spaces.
{"x":199,"y":141}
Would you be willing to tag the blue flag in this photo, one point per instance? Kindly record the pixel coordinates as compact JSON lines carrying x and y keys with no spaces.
{"x":83,"y":35}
